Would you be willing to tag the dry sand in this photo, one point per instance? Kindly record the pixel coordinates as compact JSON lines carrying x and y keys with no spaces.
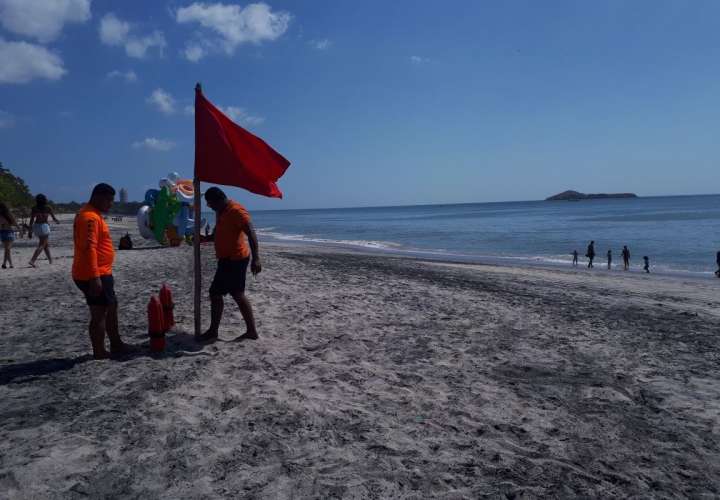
{"x":375,"y":377}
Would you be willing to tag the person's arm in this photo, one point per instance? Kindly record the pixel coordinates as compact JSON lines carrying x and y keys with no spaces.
{"x":89,"y":233}
{"x":255,"y":265}
{"x":52,"y":214}
{"x":30,"y":224}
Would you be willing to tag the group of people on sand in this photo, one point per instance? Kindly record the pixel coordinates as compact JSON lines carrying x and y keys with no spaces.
{"x":236,"y":248}
{"x":590,"y":254}
{"x":39,"y":225}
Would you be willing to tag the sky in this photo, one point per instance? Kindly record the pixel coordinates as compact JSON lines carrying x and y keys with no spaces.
{"x":375,"y":103}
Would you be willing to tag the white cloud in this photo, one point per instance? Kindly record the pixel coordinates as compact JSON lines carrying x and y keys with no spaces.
{"x":42,"y":19}
{"x":116,"y":32}
{"x":323,"y":44}
{"x":154,"y":144}
{"x":113,"y":31}
{"x":21,"y":62}
{"x":194,"y":52}
{"x":236,"y":114}
{"x":419,"y":60}
{"x":163,"y":101}
{"x":137,"y":47}
{"x":6,"y":119}
{"x":240,"y":116}
{"x":234,"y":24}
{"x":129,"y":76}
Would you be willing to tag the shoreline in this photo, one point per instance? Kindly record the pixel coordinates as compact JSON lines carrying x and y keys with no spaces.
{"x":476,"y":260}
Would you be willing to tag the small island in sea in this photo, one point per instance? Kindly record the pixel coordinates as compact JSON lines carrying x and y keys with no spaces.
{"x":575,"y":196}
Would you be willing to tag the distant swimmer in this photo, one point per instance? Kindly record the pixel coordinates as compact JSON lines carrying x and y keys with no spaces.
{"x":590,"y":254}
{"x":39,"y":226}
{"x":92,"y":271}
{"x":609,"y":255}
{"x":575,"y":257}
{"x":626,"y":257}
{"x":646,"y":267}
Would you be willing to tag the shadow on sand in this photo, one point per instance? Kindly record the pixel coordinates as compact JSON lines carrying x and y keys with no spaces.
{"x":178,"y":344}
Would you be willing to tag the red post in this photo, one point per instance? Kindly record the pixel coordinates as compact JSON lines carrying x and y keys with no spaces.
{"x":155,"y":325}
{"x":167,"y":306}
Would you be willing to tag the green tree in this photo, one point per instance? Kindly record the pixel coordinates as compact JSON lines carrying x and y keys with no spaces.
{"x":15,"y":193}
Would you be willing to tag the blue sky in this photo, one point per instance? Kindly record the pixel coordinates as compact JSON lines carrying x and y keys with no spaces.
{"x":373,"y":102}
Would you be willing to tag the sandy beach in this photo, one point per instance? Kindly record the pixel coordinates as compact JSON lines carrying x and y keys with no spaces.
{"x":374,"y":377}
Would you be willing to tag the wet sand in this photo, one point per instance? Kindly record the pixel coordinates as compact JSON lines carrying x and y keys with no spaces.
{"x":375,"y":377}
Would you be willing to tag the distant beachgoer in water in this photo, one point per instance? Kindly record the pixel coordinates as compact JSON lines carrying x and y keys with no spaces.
{"x":39,"y":225}
{"x":609,"y":254}
{"x":626,"y":257}
{"x":646,"y":267}
{"x":7,"y":234}
{"x":575,"y":256}
{"x":717,"y":261}
{"x":590,"y":254}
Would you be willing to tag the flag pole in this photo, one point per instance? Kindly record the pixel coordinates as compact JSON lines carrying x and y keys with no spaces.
{"x":196,"y":235}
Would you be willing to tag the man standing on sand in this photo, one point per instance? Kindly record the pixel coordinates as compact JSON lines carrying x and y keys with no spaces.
{"x":575,"y":256}
{"x":233,"y":231}
{"x":717,"y":261}
{"x":626,"y":257}
{"x":609,"y":255}
{"x":590,"y":254}
{"x":92,"y":271}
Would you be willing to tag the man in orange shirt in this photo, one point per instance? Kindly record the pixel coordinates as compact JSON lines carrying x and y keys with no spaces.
{"x":92,"y":270}
{"x":233,"y":232}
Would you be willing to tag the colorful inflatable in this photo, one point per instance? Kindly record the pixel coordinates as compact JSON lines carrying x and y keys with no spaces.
{"x":165,"y":216}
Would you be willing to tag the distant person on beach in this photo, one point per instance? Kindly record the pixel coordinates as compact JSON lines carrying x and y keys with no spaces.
{"x":39,"y":226}
{"x":575,"y":258}
{"x":646,"y":267}
{"x":7,"y":234}
{"x":92,"y":271}
{"x":235,"y":243}
{"x":590,"y":254}
{"x":626,"y":257}
{"x":717,"y":261}
{"x":609,"y":256}
{"x":207,"y":230}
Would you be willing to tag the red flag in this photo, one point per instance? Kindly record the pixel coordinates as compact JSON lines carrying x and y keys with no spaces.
{"x":226,"y":153}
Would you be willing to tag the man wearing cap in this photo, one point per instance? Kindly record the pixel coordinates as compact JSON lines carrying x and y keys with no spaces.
{"x":235,"y":243}
{"x":92,"y":271}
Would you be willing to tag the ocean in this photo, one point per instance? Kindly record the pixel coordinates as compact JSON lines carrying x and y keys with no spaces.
{"x":680,"y":234}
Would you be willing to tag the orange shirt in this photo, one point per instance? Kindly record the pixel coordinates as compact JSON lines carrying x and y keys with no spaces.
{"x":230,"y":240}
{"x":94,"y":252}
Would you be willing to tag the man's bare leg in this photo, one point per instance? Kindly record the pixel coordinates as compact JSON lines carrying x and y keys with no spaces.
{"x":97,"y":331}
{"x":117,"y":346}
{"x":216,"y":311}
{"x":247,"y":314}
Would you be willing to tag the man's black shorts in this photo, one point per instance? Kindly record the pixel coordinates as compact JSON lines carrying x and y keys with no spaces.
{"x":229,"y":277}
{"x":107,"y":295}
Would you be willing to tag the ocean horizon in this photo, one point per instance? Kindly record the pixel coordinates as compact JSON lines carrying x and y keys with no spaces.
{"x":680,"y":234}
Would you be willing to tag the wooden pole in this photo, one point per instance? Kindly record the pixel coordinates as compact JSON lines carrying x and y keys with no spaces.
{"x":196,"y":239}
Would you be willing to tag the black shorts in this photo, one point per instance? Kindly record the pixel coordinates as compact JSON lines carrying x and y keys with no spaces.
{"x":229,"y":277}
{"x":107,"y":295}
